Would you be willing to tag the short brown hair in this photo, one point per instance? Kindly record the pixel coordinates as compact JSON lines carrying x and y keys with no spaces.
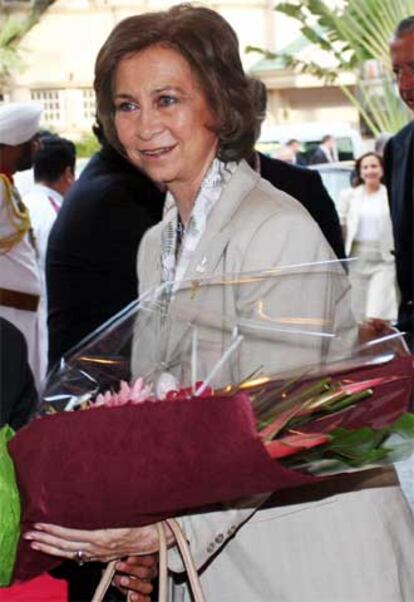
{"x":210,"y":46}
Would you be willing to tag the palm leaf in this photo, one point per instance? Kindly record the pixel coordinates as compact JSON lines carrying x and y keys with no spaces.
{"x":360,"y":31}
{"x":12,"y":31}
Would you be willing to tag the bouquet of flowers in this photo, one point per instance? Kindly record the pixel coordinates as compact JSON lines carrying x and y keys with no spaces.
{"x":226,"y":399}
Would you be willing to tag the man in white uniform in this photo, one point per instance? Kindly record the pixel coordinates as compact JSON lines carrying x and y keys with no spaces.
{"x":20,"y":287}
{"x":54,"y":174}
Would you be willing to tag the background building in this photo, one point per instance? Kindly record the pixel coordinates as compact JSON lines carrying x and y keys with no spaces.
{"x":59,"y":54}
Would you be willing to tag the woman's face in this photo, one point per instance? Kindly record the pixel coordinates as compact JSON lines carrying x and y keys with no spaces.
{"x":162,"y":118}
{"x":370,"y":170}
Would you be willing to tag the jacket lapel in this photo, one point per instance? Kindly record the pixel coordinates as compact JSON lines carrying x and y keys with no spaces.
{"x":402,"y":164}
{"x":208,"y":254}
{"x":216,"y":236}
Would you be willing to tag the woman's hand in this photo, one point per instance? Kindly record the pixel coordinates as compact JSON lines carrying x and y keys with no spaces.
{"x":134,"y":577}
{"x":376,"y":328}
{"x":100,"y":545}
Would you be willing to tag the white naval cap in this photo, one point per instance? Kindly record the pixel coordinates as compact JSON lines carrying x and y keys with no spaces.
{"x":19,"y":122}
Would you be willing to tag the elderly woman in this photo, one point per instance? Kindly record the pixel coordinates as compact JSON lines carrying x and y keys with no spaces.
{"x":173,"y":97}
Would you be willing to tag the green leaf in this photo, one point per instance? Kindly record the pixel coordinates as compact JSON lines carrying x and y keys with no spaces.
{"x":358,"y":31}
{"x":404,"y":426}
{"x":291,"y":10}
{"x":312,"y":35}
{"x":12,"y":31}
{"x":9,"y":510}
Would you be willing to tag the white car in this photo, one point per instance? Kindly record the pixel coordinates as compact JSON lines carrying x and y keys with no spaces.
{"x":348,"y":140}
{"x":335,"y":176}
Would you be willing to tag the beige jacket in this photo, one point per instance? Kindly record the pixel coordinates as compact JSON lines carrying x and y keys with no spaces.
{"x":253,"y":227}
{"x":246,"y":553}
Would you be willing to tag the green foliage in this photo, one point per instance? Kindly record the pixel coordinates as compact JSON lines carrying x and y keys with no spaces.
{"x":362,"y":28}
{"x":10,"y":58}
{"x":404,"y":426}
{"x":358,"y":449}
{"x":12,"y":31}
{"x":87,"y":146}
{"x":357,"y":32}
{"x":9,"y":510}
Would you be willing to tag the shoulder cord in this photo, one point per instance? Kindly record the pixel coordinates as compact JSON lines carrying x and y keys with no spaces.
{"x":18,"y":216}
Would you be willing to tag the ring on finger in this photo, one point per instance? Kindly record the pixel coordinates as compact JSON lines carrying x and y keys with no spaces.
{"x":80,"y":557}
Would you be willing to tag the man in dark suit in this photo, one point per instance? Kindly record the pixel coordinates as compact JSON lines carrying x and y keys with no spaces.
{"x":90,"y":268}
{"x":399,"y":174}
{"x":326,"y":151}
{"x":306,"y":186}
{"x":298,"y":156}
{"x":17,"y":390}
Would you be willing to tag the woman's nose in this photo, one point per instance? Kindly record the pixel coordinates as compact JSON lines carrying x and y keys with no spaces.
{"x":148,"y":124}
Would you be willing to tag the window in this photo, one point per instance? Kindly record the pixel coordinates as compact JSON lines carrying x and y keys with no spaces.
{"x":89,"y":104}
{"x":17,"y":2}
{"x":51,"y":101}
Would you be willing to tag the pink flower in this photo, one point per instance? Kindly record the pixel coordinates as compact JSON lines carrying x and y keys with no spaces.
{"x":167,"y":388}
{"x":138,"y":393}
{"x":293,"y":444}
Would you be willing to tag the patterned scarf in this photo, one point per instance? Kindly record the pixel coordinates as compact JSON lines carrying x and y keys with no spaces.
{"x":178,"y":243}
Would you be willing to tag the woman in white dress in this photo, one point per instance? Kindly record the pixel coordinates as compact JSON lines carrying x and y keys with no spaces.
{"x":365,"y":218}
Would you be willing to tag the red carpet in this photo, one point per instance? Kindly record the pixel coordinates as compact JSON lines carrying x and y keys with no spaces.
{"x":41,"y":589}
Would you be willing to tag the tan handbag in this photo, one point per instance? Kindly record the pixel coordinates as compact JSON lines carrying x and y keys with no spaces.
{"x":182,"y":545}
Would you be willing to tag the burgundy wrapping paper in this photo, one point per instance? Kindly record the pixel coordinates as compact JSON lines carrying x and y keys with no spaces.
{"x":134,"y":465}
{"x":131,"y":466}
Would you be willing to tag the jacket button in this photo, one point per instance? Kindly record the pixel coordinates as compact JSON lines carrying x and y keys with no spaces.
{"x":231,"y":530}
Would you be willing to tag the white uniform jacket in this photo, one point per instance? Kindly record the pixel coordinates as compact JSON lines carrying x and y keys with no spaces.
{"x":43,"y":204}
{"x":19,"y":272}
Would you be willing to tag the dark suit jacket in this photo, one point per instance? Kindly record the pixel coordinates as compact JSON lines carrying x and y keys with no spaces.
{"x":306,"y":186}
{"x":399,"y":179}
{"x":90,"y":266}
{"x":17,"y":391}
{"x":301,"y":159}
{"x":318,"y":157}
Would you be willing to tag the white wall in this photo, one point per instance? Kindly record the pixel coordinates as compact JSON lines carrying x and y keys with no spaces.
{"x":60,"y":51}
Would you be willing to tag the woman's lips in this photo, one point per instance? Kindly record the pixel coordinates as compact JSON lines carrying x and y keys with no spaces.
{"x":154,"y":153}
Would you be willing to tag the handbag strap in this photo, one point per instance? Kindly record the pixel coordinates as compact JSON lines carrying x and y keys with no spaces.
{"x":182,"y":544}
{"x":105,"y":582}
{"x":162,"y":564}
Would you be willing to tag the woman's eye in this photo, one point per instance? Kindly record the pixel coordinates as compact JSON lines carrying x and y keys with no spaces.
{"x":125,"y":107}
{"x":166,"y":101}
